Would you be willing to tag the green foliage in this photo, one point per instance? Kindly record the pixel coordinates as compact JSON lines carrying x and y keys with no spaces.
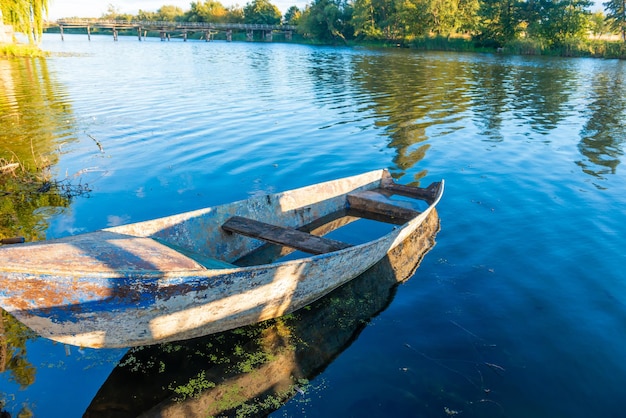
{"x":209,"y":11}
{"x":170,"y":13}
{"x":616,"y":16}
{"x":556,"y":22}
{"x":598,"y":24}
{"x":571,"y":48}
{"x":261,"y":12}
{"x":405,"y":19}
{"x":327,"y":21}
{"x":292,"y":16}
{"x":498,"y":21}
{"x":26,"y":16}
{"x":16,"y":50}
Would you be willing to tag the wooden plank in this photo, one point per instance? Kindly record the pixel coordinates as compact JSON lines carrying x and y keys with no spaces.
{"x":379,"y":203}
{"x":428,"y":194}
{"x":378,"y":217}
{"x":284,"y":236}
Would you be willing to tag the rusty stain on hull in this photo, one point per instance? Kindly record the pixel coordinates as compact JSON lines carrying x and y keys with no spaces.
{"x":173,"y":278}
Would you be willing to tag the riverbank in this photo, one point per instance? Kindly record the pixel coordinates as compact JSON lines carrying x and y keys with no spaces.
{"x":588,"y":48}
{"x":21,"y":50}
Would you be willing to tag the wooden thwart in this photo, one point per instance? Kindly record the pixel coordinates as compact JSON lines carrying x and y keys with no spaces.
{"x":428,"y":193}
{"x":283,"y":236}
{"x":379,"y":203}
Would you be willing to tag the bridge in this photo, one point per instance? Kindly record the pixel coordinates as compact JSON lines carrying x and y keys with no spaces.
{"x":167,"y":28}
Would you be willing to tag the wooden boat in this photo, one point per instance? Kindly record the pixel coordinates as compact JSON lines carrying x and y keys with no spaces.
{"x":205,"y":271}
{"x":274,"y":359}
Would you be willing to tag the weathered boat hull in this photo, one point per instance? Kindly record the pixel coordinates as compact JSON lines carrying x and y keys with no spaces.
{"x":123,"y":287}
{"x":287,"y":352}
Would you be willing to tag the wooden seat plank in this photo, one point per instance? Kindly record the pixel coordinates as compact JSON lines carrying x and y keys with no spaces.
{"x":379,"y":203}
{"x":428,"y":194}
{"x":283,"y":236}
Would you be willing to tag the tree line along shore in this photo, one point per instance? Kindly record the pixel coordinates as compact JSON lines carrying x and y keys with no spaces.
{"x":523,"y":27}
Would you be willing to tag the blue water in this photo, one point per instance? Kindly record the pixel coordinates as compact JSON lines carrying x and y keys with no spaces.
{"x":518,"y":311}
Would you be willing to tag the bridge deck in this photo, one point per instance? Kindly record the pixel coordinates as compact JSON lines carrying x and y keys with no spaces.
{"x":164,"y":25}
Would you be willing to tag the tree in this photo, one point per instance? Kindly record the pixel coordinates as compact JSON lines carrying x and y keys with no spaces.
{"x":170,"y":13}
{"x":498,"y":21}
{"x":209,"y":11}
{"x":262,"y":12}
{"x":443,"y":16}
{"x":235,"y":14}
{"x":112,"y":13}
{"x":598,"y":25}
{"x":26,"y":16}
{"x":557,"y":21}
{"x":292,"y":16}
{"x":467,"y":16}
{"x":616,"y":16}
{"x":327,"y":20}
{"x":144,"y":16}
{"x":379,"y":19}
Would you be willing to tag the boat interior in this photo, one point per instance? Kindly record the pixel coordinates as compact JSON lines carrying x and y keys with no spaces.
{"x":376,"y":211}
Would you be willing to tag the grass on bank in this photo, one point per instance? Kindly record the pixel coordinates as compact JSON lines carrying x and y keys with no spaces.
{"x":590,"y":48}
{"x":21,"y":50}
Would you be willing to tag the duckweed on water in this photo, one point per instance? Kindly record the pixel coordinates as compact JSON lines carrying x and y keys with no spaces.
{"x":193,"y":388}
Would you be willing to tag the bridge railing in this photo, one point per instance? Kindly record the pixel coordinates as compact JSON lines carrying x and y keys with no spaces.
{"x":168,"y":24}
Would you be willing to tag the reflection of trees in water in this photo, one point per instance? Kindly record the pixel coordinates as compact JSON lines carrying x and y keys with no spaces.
{"x":534,"y":95}
{"x":33,"y":119}
{"x":538,"y":95}
{"x":491,"y":99}
{"x":13,"y":360}
{"x":603,"y":135}
{"x":13,"y":338}
{"x":416,"y":98}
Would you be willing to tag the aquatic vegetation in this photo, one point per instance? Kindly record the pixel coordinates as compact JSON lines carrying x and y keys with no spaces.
{"x":193,"y":388}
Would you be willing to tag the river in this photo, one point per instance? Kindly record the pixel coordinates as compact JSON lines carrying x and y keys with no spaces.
{"x":520,"y":308}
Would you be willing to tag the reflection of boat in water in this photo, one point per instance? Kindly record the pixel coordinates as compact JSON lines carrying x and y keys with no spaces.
{"x":184,"y":276}
{"x":253,"y":370}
